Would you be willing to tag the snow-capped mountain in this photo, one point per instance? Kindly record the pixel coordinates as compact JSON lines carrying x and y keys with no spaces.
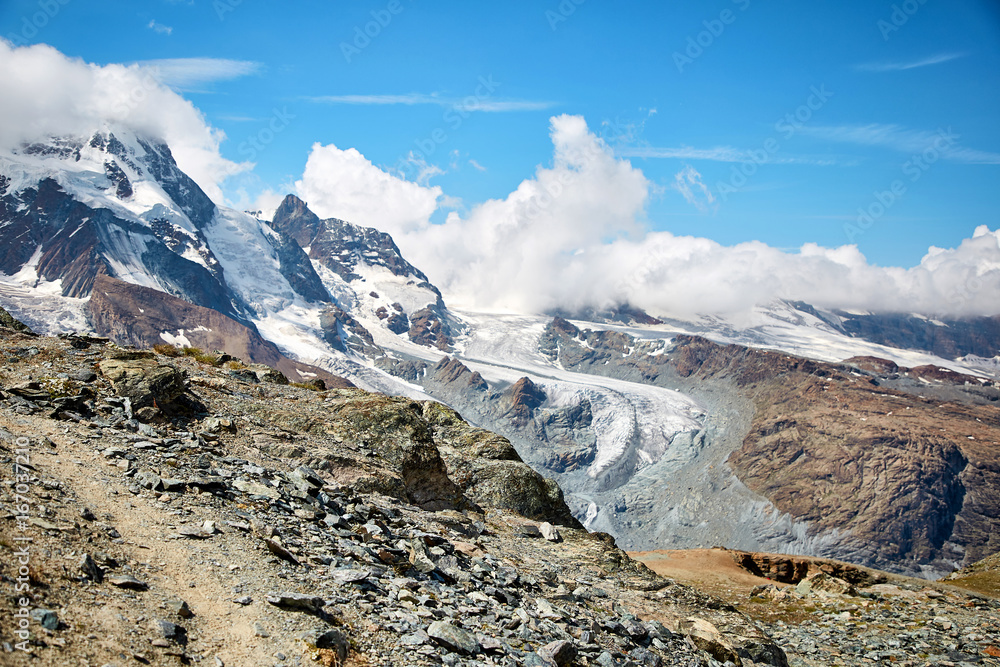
{"x":106,"y":232}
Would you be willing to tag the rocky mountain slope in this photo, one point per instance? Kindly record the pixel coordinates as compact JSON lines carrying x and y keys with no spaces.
{"x":244,"y":521}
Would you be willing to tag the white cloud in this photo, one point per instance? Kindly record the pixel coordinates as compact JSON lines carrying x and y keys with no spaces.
{"x":528,"y":251}
{"x":47,"y":94}
{"x":688,"y":182}
{"x":160,"y":28}
{"x":472,"y":103}
{"x":188,"y":73}
{"x":476,"y":165}
{"x":903,"y":140}
{"x":910,"y":64}
{"x":345,"y":184}
{"x":424,"y":171}
{"x":722,"y":154}
{"x":573,"y":235}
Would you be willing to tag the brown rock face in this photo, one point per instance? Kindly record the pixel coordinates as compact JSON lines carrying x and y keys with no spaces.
{"x":907,"y":476}
{"x":793,"y":569}
{"x":451,"y":370}
{"x":426,"y":328}
{"x":136,"y":316}
{"x":525,"y":396}
{"x":873,"y":365}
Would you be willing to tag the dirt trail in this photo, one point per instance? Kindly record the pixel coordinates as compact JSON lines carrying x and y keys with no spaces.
{"x":207,"y":574}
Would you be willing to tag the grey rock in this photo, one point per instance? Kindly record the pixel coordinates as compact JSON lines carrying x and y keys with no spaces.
{"x":298,"y":601}
{"x":84,"y":375}
{"x":89,"y":568}
{"x":453,"y":637}
{"x":180,"y":607}
{"x":173,"y":485}
{"x":327,"y":639}
{"x":349,"y":576}
{"x":645,"y":657}
{"x":148,"y":479}
{"x":193,"y":532}
{"x":549,"y":532}
{"x":170,"y":631}
{"x":419,"y":559}
{"x":528,"y":530}
{"x":560,"y":652}
{"x":129,"y":582}
{"x":47,"y":618}
{"x":143,"y":381}
{"x":415,"y":638}
{"x":280,"y":551}
{"x":257,"y":489}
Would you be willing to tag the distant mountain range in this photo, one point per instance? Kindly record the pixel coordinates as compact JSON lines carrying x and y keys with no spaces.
{"x":862,"y":436}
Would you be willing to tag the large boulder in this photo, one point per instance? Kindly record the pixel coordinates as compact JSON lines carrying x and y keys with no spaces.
{"x":7,"y":320}
{"x":488,"y":470}
{"x":146,"y":382}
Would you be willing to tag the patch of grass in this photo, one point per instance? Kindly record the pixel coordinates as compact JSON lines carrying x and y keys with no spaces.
{"x":57,"y":387}
{"x":235,"y":365}
{"x":313,"y":385}
{"x":166,"y":350}
{"x":200,"y":356}
{"x":770,"y":612}
{"x":986,"y":583}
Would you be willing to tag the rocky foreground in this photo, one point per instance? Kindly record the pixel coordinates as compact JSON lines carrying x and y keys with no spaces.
{"x":189,"y":509}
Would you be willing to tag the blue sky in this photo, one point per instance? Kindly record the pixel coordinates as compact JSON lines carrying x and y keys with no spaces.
{"x":689,"y":94}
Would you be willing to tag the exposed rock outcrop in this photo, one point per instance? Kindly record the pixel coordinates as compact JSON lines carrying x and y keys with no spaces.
{"x":8,"y":320}
{"x":143,"y":317}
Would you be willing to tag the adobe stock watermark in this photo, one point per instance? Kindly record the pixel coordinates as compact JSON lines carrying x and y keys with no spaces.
{"x":697,"y":44}
{"x":786,"y":127}
{"x":453,"y":119}
{"x":21,"y":551}
{"x":35,"y":22}
{"x":900,"y":15}
{"x":562,"y":12}
{"x":914,"y":168}
{"x":254,"y":144}
{"x":363,"y":35}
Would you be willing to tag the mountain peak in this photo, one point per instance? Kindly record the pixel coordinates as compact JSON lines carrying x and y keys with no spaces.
{"x":294,"y":218}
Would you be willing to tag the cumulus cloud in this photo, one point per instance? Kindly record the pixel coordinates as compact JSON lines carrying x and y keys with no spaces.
{"x":574,"y":235}
{"x":531,"y":250}
{"x":344,"y":184}
{"x":47,"y":94}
